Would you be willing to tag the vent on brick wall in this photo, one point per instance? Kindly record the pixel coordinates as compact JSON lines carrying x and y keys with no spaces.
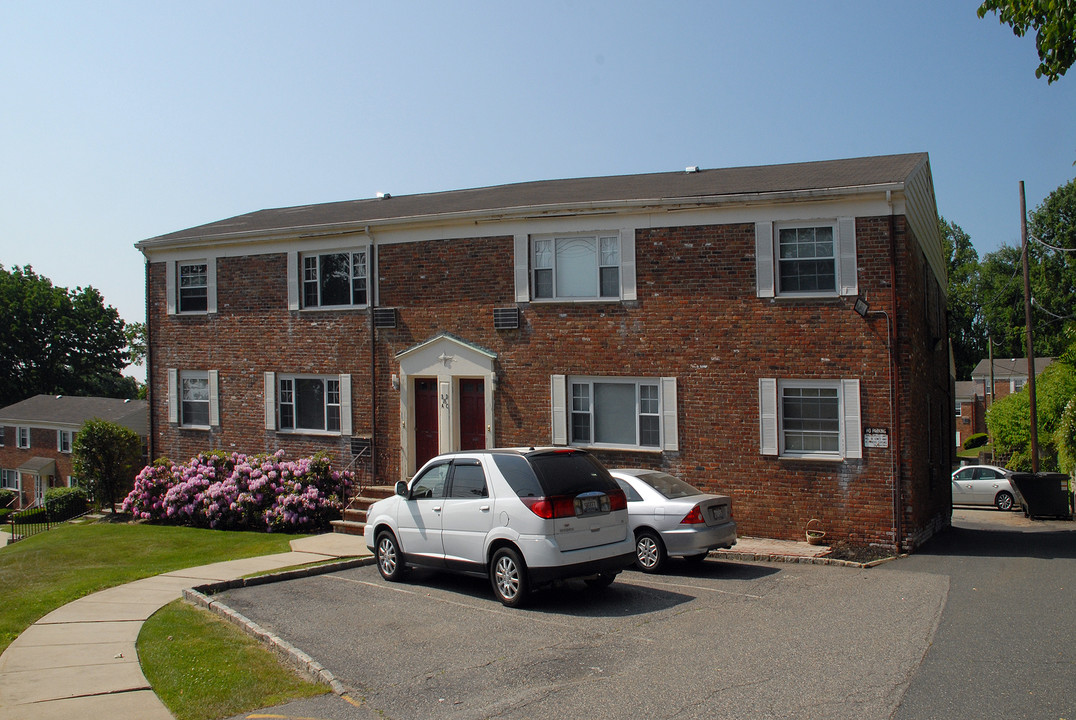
{"x":360,"y":446}
{"x":505,"y":318}
{"x":384,"y":317}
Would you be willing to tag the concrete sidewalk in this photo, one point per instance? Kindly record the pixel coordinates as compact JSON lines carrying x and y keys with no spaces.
{"x":79,"y":661}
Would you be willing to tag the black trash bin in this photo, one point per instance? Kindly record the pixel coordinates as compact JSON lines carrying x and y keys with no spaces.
{"x":1045,"y":494}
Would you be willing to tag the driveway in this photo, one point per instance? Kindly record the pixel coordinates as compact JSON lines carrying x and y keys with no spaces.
{"x":978,"y":624}
{"x":720,"y":640}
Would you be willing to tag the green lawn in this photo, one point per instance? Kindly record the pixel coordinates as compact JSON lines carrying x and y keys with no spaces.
{"x":49,"y":570}
{"x":203,"y":667}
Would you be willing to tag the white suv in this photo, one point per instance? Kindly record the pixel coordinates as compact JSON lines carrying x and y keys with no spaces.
{"x":524,"y":517}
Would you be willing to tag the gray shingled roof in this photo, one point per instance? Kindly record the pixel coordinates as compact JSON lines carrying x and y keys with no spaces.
{"x":72,"y":410}
{"x":1005,"y":368}
{"x":824,"y":175}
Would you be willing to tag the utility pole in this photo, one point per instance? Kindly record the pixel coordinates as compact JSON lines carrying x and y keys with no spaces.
{"x":1027,"y":322}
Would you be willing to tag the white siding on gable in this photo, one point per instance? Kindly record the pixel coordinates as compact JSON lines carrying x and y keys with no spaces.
{"x":764,"y":263}
{"x":767,"y":413}
{"x":559,"y":409}
{"x":846,"y":256}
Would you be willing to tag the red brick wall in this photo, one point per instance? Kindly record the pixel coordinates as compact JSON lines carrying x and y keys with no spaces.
{"x":696,"y":318}
{"x":42,"y":444}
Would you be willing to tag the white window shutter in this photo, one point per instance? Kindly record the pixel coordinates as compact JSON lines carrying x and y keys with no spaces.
{"x":293,"y":280}
{"x":521,"y":259}
{"x":173,"y":395}
{"x":764,"y":267}
{"x":170,"y":287}
{"x":559,"y":405}
{"x":270,"y":401}
{"x":345,"y":405}
{"x":214,"y":398}
{"x":852,"y":438}
{"x":767,"y":412}
{"x":211,"y":284}
{"x":846,"y":242}
{"x":628,"y":290}
{"x":670,"y":439}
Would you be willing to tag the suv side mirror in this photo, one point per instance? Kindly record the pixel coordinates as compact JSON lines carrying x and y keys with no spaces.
{"x":401,"y":488}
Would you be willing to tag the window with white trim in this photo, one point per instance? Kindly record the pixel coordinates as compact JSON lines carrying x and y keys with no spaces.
{"x":806,"y":259}
{"x":338,"y":279}
{"x":63,"y":440}
{"x":614,"y":412}
{"x":194,"y":398}
{"x":192,"y":287}
{"x":576,"y":267}
{"x":22,"y":438}
{"x":810,"y":419}
{"x":308,"y":402}
{"x":9,"y":479}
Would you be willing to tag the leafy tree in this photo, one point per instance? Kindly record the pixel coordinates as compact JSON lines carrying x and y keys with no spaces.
{"x":106,"y":457}
{"x":1054,"y":23}
{"x":58,"y":341}
{"x":966,"y":328}
{"x":136,"y":342}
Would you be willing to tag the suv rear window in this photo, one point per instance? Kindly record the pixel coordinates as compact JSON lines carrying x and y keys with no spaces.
{"x":571,"y":473}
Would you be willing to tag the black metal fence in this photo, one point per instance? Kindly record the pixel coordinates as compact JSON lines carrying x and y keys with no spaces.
{"x":24,"y":523}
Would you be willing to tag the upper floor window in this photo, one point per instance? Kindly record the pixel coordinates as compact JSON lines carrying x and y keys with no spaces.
{"x":335,"y":279}
{"x":309,"y":403}
{"x":615,"y":412}
{"x":576,"y":267}
{"x":22,"y":437}
{"x":959,"y":408}
{"x":63,"y":440}
{"x":193,"y":287}
{"x":809,"y":259}
{"x":814,"y":419}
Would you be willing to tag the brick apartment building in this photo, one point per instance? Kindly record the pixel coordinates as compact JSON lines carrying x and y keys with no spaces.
{"x":775,"y":333}
{"x":37,"y":434}
{"x":990,"y":382}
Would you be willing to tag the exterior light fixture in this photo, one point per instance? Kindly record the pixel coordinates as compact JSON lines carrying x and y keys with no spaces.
{"x":395,"y":381}
{"x":861,"y":307}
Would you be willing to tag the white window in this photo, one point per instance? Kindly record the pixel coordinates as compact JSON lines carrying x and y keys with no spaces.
{"x":809,"y":259}
{"x":22,"y":437}
{"x":1017,"y":384}
{"x":812,"y":419}
{"x":9,"y":480}
{"x":308,"y":403}
{"x":194,"y":398}
{"x":337,"y":279}
{"x":959,"y":408}
{"x":576,"y":267}
{"x":632,"y":413}
{"x":192,"y":286}
{"x":63,"y":440}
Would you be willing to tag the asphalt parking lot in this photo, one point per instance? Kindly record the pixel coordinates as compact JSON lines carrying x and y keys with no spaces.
{"x":720,"y":640}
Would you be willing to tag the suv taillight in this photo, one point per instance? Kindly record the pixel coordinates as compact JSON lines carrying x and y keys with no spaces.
{"x":551,"y":507}
{"x":694,"y":517}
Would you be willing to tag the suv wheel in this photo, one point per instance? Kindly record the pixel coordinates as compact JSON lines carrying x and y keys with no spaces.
{"x":508,"y":576}
{"x":649,"y":552}
{"x":389,"y":561}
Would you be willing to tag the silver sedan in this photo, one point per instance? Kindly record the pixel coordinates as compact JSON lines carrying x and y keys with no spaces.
{"x":673,"y":518}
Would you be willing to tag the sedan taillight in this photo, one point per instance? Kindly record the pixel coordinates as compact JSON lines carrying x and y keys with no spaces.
{"x":694,"y":517}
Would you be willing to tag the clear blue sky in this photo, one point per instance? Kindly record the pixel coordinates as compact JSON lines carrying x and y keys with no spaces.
{"x":120,"y":121}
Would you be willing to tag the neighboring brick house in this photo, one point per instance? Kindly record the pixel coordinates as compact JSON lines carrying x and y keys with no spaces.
{"x":970,"y":410}
{"x":776,"y":333}
{"x":37,"y":434}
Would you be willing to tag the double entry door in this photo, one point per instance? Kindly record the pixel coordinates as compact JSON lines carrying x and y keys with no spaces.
{"x":471,"y":407}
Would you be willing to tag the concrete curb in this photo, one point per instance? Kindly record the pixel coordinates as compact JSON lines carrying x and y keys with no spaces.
{"x":293,"y":656}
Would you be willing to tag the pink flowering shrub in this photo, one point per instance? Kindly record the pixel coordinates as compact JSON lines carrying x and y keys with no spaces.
{"x":240,"y":492}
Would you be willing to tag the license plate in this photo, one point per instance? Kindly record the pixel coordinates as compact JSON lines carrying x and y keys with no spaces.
{"x":587,"y":504}
{"x":719,"y":512}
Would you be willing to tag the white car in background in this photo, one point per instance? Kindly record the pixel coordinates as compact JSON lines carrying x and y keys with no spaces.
{"x":670,"y":517}
{"x":523,"y":517}
{"x":984,"y":485}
